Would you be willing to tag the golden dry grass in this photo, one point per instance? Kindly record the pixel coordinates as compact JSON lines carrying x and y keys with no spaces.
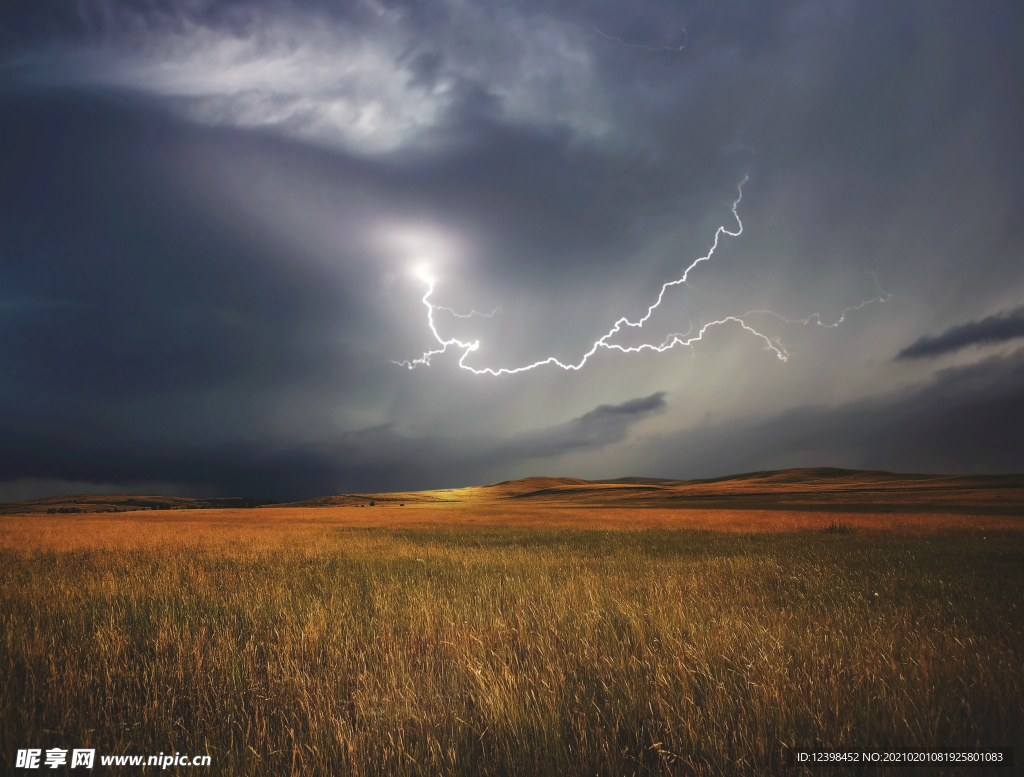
{"x":459,"y":641}
{"x":310,"y":524}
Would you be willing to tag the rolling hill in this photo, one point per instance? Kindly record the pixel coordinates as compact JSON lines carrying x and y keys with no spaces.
{"x":818,"y":489}
{"x":829,"y":489}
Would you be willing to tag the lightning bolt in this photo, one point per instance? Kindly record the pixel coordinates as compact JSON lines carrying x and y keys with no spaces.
{"x":642,"y":46}
{"x":817,"y":318}
{"x":671,"y":341}
{"x":470,"y":314}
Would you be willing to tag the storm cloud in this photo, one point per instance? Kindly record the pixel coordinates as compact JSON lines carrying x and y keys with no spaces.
{"x":601,"y":426}
{"x":967,"y":420}
{"x":212,"y":216}
{"x":998,"y":328}
{"x":372,"y":459}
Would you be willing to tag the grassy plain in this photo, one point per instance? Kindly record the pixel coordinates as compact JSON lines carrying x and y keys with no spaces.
{"x":508,"y":640}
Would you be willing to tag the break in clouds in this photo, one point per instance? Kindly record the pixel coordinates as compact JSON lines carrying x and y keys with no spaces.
{"x":212,"y":216}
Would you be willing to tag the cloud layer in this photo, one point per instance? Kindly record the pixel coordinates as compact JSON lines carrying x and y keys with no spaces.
{"x":372,"y":459}
{"x":966,"y":419}
{"x":998,"y":328}
{"x":211,"y":214}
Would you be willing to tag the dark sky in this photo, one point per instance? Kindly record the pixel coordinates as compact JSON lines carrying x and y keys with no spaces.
{"x":215,"y":216}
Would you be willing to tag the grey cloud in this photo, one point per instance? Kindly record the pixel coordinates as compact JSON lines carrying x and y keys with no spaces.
{"x":375,"y":458}
{"x":198,"y":301}
{"x":963,"y":420}
{"x":38,"y":488}
{"x":601,"y":426}
{"x":373,"y":80}
{"x":999,"y":328}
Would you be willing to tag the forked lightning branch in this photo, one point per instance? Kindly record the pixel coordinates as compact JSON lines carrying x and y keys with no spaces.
{"x":689,"y":339}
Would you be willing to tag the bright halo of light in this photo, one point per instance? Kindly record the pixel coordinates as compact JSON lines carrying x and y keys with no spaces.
{"x":422,"y":271}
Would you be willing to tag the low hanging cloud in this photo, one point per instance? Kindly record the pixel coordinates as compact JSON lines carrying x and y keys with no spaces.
{"x":601,"y":426}
{"x":373,"y":459}
{"x":999,"y":328}
{"x":966,"y":419}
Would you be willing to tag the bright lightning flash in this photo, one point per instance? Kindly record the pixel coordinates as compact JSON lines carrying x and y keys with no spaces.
{"x":816,"y":318}
{"x":673,"y":340}
{"x":423,"y":273}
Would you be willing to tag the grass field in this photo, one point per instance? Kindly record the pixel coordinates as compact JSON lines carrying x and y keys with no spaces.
{"x":296,"y":641}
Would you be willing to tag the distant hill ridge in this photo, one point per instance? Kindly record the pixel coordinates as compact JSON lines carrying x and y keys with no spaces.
{"x":817,"y":488}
